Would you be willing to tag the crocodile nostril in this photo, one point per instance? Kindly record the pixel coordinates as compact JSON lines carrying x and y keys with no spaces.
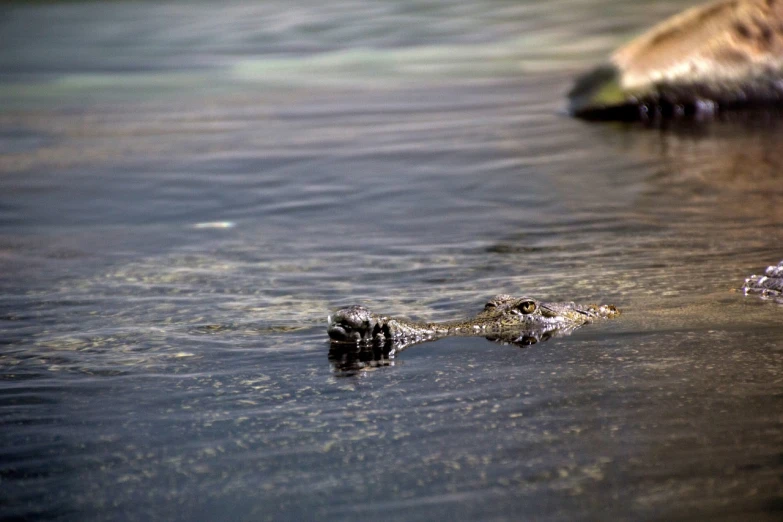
{"x":376,"y":330}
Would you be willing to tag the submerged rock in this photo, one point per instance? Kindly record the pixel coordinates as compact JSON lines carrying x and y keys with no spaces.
{"x":723,"y":55}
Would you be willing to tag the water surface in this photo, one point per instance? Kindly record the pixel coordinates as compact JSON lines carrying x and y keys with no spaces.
{"x":189,"y":189}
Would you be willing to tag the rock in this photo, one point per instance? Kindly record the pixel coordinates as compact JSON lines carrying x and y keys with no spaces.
{"x":723,"y":55}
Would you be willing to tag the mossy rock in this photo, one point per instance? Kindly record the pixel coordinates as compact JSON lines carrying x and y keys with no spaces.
{"x":723,"y":55}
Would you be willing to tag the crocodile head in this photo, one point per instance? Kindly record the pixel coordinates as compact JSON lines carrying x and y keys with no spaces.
{"x":354,"y":323}
{"x":357,"y":324}
{"x":508,"y":311}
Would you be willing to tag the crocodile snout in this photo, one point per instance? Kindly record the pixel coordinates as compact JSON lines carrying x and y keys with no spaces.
{"x":350,"y":324}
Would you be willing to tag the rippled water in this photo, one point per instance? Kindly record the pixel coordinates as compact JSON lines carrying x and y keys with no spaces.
{"x":188,"y":189}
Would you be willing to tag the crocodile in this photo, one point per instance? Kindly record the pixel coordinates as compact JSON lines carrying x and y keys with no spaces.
{"x":506,"y":319}
{"x":769,"y":285}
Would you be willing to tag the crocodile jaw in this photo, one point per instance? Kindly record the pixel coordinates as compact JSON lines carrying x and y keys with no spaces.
{"x":574,"y":314}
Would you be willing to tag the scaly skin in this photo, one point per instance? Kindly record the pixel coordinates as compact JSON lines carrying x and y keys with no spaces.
{"x":504,"y":318}
{"x":769,"y":285}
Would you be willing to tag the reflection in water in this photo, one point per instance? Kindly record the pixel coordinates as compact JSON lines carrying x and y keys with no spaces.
{"x":733,"y":163}
{"x":348,"y":358}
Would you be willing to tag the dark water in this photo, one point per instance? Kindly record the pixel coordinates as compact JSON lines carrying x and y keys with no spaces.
{"x":188,"y":189}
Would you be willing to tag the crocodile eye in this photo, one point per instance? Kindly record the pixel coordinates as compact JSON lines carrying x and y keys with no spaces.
{"x":527,"y":307}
